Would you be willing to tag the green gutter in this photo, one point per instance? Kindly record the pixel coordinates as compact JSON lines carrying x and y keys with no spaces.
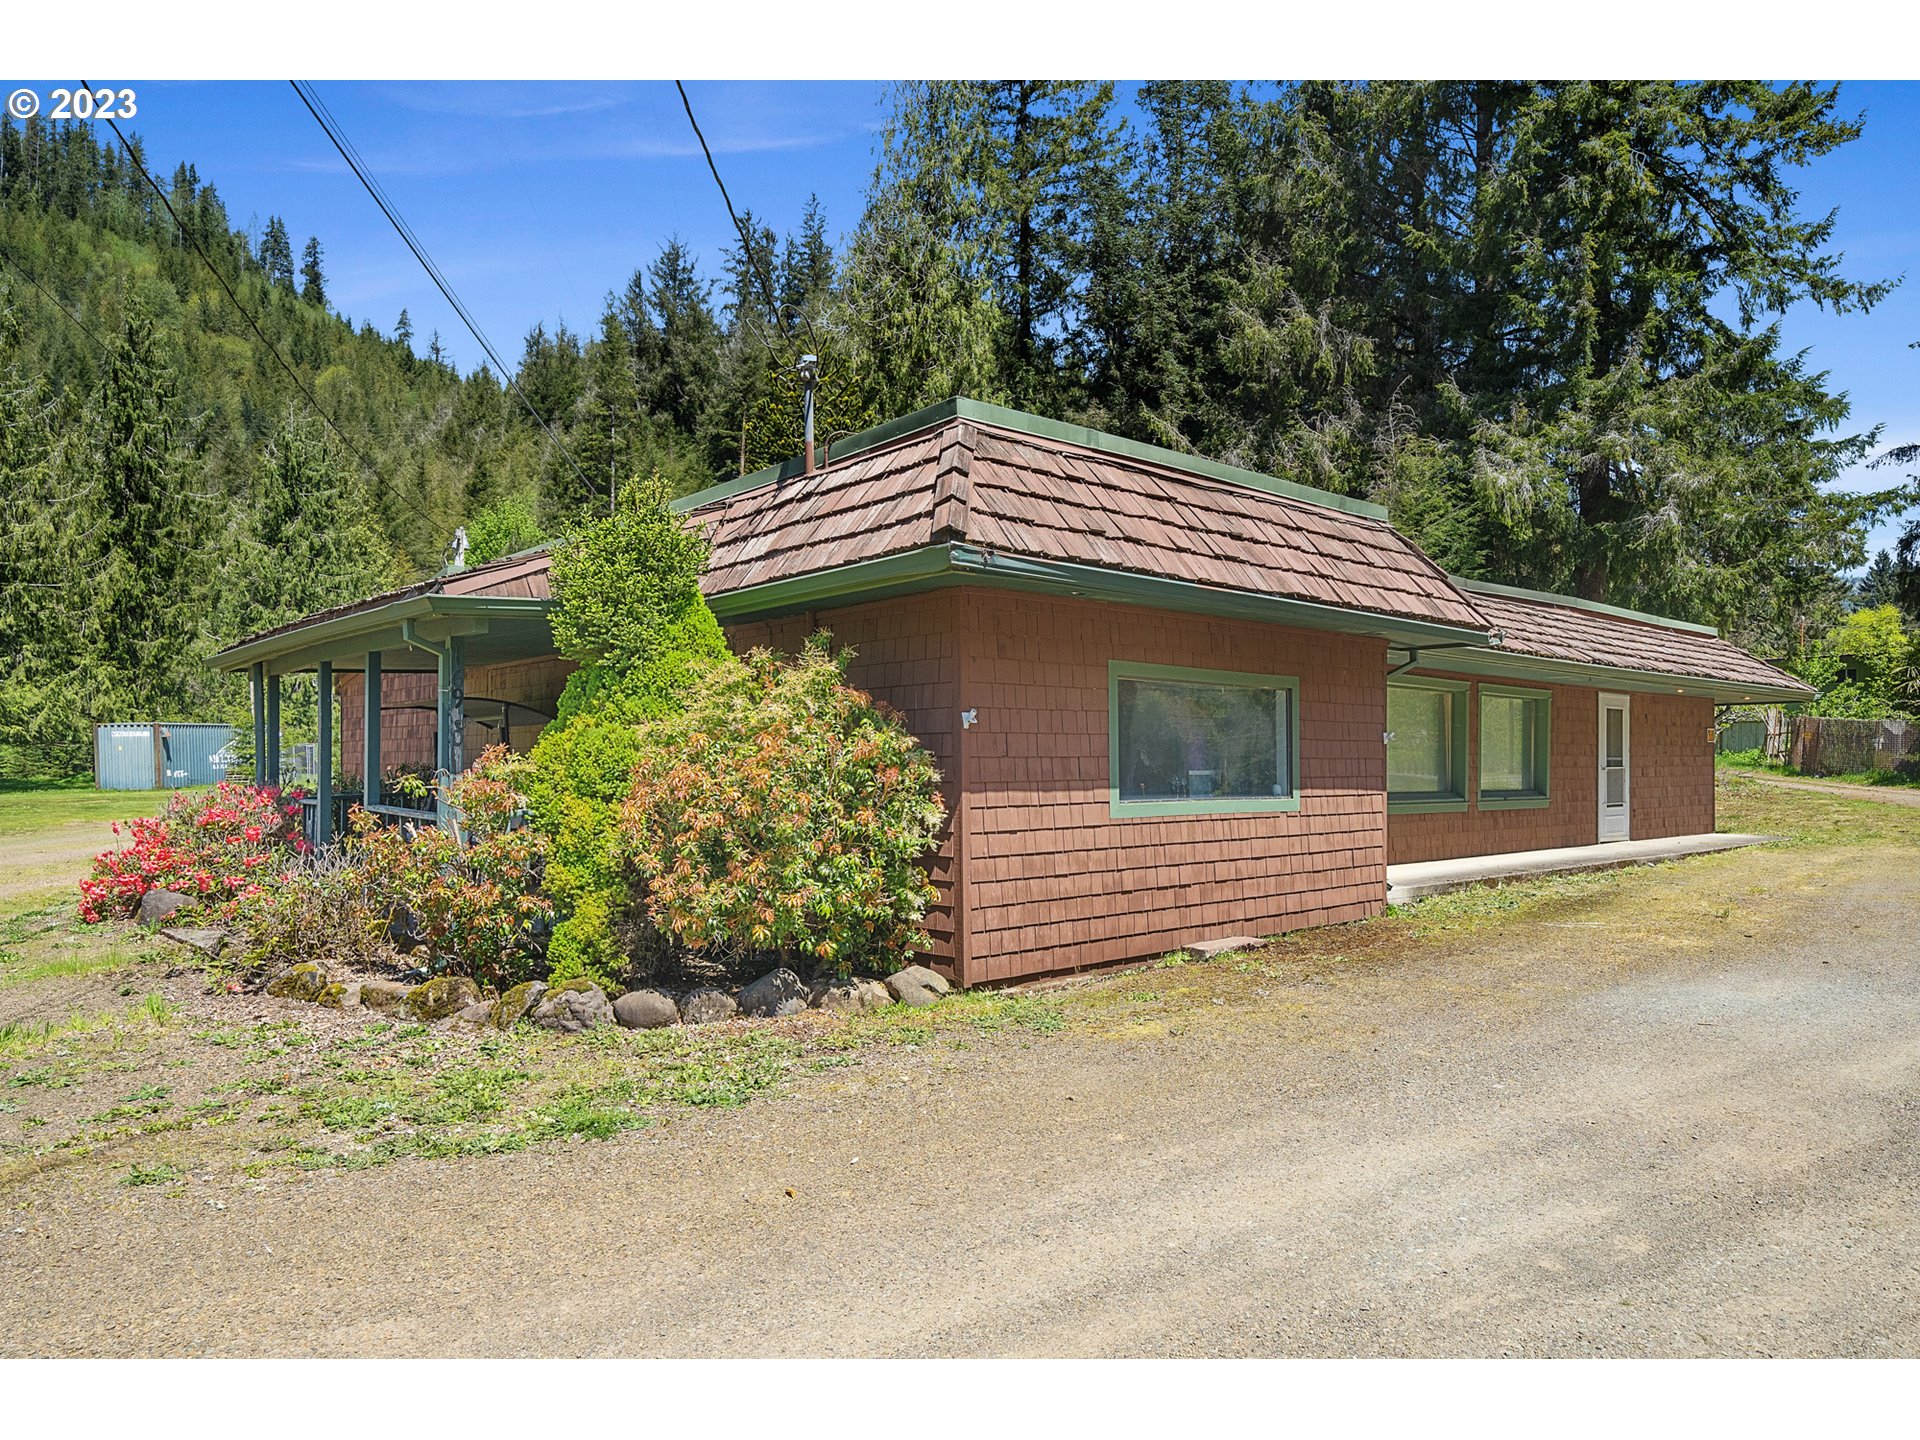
{"x":1512,"y":665}
{"x":933,"y":566}
{"x":1547,"y":597}
{"x":355,"y":622}
{"x":1041,"y":428}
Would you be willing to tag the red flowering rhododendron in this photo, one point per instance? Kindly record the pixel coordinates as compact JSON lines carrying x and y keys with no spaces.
{"x":210,"y":843}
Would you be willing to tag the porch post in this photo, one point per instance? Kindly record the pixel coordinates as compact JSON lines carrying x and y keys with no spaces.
{"x":323,"y":766}
{"x":370,"y":767}
{"x":453,"y":706}
{"x":259,"y":688}
{"x":271,"y":683}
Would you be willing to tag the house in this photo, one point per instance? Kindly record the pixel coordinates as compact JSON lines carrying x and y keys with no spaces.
{"x":1171,"y":699}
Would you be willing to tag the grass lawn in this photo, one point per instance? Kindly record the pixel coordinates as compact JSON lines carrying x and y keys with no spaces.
{"x":28,"y":807}
{"x":1754,"y":762}
{"x":122,"y":1065}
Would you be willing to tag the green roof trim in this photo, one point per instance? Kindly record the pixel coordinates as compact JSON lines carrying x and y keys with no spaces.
{"x":932,"y":566}
{"x":1547,"y":597}
{"x":1040,"y":428}
{"x":1501,"y":664}
{"x":301,"y":638}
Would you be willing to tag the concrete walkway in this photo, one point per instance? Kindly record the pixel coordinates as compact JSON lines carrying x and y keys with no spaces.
{"x":1436,"y":877}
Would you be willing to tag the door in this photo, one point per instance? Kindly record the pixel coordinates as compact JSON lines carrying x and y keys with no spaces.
{"x":1616,"y":742}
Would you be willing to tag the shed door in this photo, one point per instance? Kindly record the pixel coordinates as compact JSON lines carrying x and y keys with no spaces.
{"x":1615,"y":746}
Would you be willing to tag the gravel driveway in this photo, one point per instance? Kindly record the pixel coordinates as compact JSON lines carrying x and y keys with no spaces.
{"x":1677,"y":1117}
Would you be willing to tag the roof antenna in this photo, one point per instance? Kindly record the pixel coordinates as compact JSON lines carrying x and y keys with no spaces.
{"x":809,"y":368}
{"x":457,"y":560}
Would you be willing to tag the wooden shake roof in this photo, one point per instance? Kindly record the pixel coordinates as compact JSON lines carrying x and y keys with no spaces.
{"x":1554,"y":627}
{"x":1049,"y":499}
{"x":970,"y":493}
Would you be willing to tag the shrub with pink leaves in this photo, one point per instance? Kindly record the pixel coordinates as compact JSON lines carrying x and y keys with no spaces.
{"x":217,"y":845}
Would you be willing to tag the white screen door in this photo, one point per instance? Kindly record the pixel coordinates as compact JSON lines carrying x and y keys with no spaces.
{"x":1615,"y":742}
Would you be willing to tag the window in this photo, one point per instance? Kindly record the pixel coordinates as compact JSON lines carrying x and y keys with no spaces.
{"x":1200,"y":742}
{"x":1426,"y":745}
{"x":1514,"y":747}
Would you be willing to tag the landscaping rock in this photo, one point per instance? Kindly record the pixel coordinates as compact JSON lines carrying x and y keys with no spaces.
{"x":572,"y":1007}
{"x":707,"y":1007}
{"x":305,"y":981}
{"x":208,"y":942}
{"x":440,"y":997}
{"x":645,"y":1010}
{"x":158,"y":905}
{"x":403,"y":930}
{"x":780,"y":992}
{"x":350,"y":997}
{"x":917,"y":985}
{"x":849,"y":997}
{"x":334,"y":997}
{"x":511,"y":1008}
{"x":1213,"y":949}
{"x":383,"y":995}
{"x":477,"y":1016}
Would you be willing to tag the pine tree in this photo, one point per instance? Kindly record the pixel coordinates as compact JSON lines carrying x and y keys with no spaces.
{"x":313,"y":283}
{"x":403,"y":331}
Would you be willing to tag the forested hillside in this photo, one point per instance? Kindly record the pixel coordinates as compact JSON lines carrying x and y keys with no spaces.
{"x":1535,"y":320}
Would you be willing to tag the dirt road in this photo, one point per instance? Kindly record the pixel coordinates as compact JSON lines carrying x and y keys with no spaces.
{"x":1678,"y":1118}
{"x":1884,"y":794}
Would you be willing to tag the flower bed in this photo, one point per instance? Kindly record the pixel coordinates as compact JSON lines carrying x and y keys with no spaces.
{"x":216,"y":846}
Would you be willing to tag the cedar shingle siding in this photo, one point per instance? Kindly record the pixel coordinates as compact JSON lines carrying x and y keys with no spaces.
{"x":969,"y":557}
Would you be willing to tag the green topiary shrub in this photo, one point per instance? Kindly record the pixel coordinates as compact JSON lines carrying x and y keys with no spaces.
{"x":782,"y":810}
{"x":627,"y":607}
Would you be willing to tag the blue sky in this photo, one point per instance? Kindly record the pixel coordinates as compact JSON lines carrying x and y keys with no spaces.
{"x":538,"y":198}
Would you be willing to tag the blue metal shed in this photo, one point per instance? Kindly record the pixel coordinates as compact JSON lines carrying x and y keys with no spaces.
{"x":169,"y":755}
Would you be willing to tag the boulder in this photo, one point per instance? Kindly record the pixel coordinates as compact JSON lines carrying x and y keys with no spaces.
{"x":573,"y":1006}
{"x":779,"y":992}
{"x":305,"y":981}
{"x":383,"y":995}
{"x":477,"y":1016}
{"x":208,"y":942}
{"x":707,"y":1007}
{"x":440,"y":997}
{"x":158,"y":905}
{"x":334,"y":997}
{"x":511,"y":1008}
{"x":917,"y":985}
{"x":645,"y":1010}
{"x":849,"y":997}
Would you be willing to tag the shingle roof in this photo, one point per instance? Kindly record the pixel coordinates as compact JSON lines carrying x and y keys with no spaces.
{"x":1554,"y":629}
{"x":1052,"y":500}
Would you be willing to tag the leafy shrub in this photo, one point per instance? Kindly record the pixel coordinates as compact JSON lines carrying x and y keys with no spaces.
{"x":784,"y":810}
{"x":627,"y":606}
{"x":473,"y":895}
{"x":218,"y":845}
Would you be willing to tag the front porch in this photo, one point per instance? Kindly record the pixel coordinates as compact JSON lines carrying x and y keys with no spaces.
{"x":492,"y":615}
{"x":1406,"y":883}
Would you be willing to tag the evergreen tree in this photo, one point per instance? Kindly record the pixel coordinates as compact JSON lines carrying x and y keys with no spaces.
{"x":141,"y":556}
{"x":276,"y":253}
{"x":403,"y":331}
{"x":313,"y":283}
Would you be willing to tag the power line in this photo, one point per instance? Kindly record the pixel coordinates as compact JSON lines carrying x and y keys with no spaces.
{"x":323,"y":117}
{"x":746,"y":241}
{"x":292,"y":374}
{"x":58,"y":303}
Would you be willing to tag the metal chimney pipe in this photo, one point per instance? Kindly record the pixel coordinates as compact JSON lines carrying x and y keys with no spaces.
{"x":809,"y":368}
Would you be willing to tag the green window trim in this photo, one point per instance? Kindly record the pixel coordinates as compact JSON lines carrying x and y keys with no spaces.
{"x":1432,"y":802}
{"x":1534,"y":797}
{"x":1118,"y":809}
